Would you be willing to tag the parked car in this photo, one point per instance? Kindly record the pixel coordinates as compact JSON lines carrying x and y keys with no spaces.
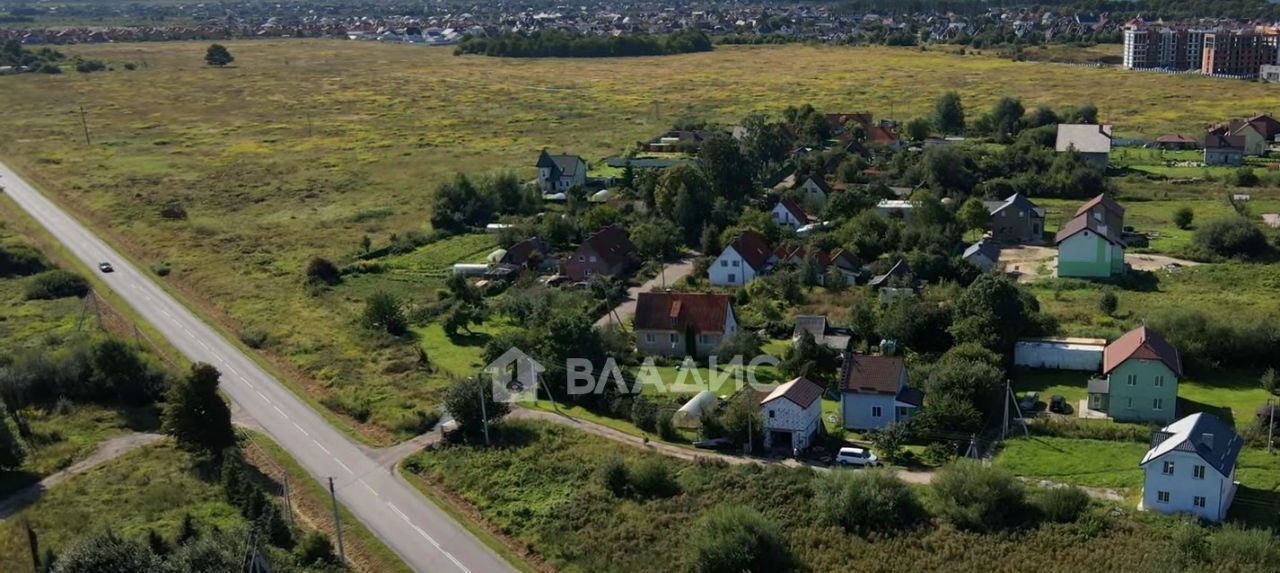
{"x":857,"y":457}
{"x":713,"y":444}
{"x":106,"y":267}
{"x":1028,"y":403}
{"x":1058,"y":404}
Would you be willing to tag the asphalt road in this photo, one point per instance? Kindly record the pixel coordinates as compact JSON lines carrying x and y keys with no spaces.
{"x":423,"y":535}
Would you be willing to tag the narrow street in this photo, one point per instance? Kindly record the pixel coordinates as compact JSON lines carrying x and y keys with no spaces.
{"x":671,"y":273}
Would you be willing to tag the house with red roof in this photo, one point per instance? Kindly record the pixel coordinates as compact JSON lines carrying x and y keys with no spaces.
{"x":874,"y":392}
{"x":746,"y":257}
{"x":682,"y":324}
{"x":791,"y":415}
{"x":1091,"y":244}
{"x":607,"y":252}
{"x":788,"y":213}
{"x":1139,"y":381}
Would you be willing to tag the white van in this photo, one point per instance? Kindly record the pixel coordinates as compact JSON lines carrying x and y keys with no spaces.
{"x":857,"y":457}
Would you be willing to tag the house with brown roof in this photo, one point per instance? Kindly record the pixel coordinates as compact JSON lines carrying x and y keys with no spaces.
{"x":1220,"y":149}
{"x":839,"y":259}
{"x":530,"y":253}
{"x":1091,"y":245}
{"x":787,"y":213}
{"x":746,"y":257}
{"x":874,"y":392}
{"x":792,"y":415}
{"x":682,"y":324}
{"x":1254,"y":133}
{"x":607,"y":252}
{"x":814,"y":191}
{"x":1139,"y":381}
{"x":1175,"y":141}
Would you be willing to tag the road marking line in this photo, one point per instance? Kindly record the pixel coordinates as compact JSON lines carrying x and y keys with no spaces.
{"x":371,"y":490}
{"x":344,"y":466}
{"x":304,"y":432}
{"x":282,"y":414}
{"x":397,"y":510}
{"x":263,"y":396}
{"x":446,"y":553}
{"x":218,"y":358}
{"x":246,"y":381}
{"x":318,"y":445}
{"x":202,"y":344}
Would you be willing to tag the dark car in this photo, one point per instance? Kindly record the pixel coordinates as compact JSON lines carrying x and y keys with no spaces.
{"x":713,"y":444}
{"x":106,"y":267}
{"x":1028,"y":403}
{"x":1057,"y":404}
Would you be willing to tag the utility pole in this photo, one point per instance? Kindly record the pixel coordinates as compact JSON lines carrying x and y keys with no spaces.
{"x":288,"y":503}
{"x":84,"y":124}
{"x":337,"y":523}
{"x":484,"y":416}
{"x":1271,"y":426}
{"x":1004,"y":429}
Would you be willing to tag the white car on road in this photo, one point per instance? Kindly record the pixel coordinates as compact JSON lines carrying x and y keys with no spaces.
{"x":857,"y":457}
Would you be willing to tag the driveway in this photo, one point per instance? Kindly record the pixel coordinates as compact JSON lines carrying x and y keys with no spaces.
{"x":1034,"y":262}
{"x":669,"y":275}
{"x":106,"y":451}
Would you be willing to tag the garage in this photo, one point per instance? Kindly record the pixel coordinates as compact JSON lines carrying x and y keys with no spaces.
{"x":1082,"y":354}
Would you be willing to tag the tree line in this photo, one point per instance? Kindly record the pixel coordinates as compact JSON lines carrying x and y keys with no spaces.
{"x":558,"y":44}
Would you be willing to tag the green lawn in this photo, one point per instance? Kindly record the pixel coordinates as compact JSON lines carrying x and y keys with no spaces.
{"x":1092,"y":463}
{"x":1068,"y":384}
{"x":1231,"y":395}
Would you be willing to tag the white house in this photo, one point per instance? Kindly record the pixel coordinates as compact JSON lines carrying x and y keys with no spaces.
{"x":983,"y":255}
{"x":791,"y":415}
{"x":558,"y":173}
{"x":746,"y":257}
{"x":874,"y":392}
{"x":1191,"y":468}
{"x":789,"y":214}
{"x":815,"y":190}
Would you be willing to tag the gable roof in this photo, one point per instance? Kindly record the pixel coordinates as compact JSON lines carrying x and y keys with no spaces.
{"x":820,"y":182}
{"x":1084,"y":137}
{"x":815,"y":325}
{"x":1106,"y":202}
{"x":519,"y":253}
{"x":611,"y":244}
{"x":794,"y":208}
{"x":1220,"y":141}
{"x":561,"y":165}
{"x":882,"y":135}
{"x":899,"y":269}
{"x":871,"y":374}
{"x":672,"y":311}
{"x":1192,"y":434}
{"x":1019,"y":201}
{"x":1266,"y":125}
{"x":1142,"y":343}
{"x":988,"y":250}
{"x":1082,"y":222}
{"x":801,"y":391}
{"x":752,"y":248}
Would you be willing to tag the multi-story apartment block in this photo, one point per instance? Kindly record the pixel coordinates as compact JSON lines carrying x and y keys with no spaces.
{"x":1220,"y":52}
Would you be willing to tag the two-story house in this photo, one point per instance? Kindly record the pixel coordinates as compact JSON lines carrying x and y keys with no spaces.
{"x":1139,"y":381}
{"x":814,"y":191}
{"x":787,"y":213}
{"x":682,"y":324}
{"x":1091,"y":244}
{"x":746,"y":257}
{"x":1016,"y":220}
{"x":792,"y":415}
{"x":874,"y":392}
{"x":607,"y":252}
{"x":1191,"y":468}
{"x":557,"y":173}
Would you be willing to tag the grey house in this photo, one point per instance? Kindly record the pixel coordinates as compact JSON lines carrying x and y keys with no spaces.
{"x":1016,"y":220}
{"x":1092,"y":142}
{"x":1223,"y":149}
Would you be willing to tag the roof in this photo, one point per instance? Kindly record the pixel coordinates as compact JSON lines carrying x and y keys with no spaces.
{"x":882,"y":135}
{"x":1266,"y":125}
{"x":1084,"y":137}
{"x":1106,"y":202}
{"x":794,"y":208}
{"x":1220,"y":141}
{"x":899,"y":269}
{"x":820,"y":182}
{"x":910,"y":396}
{"x":872,"y":374}
{"x":670,"y":311}
{"x":1082,"y":222}
{"x":801,"y":391}
{"x":813,"y":324}
{"x":1021,"y":202}
{"x":1142,"y":343}
{"x":561,"y":164}
{"x":988,"y":250}
{"x":519,"y":253}
{"x":752,"y":248}
{"x":611,"y":244}
{"x":1202,"y":434}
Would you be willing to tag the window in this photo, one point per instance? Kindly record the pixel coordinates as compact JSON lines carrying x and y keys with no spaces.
{"x":1128,"y":402}
{"x":581,"y":259}
{"x":733,"y":278}
{"x":1168,"y":468}
{"x":1162,"y":496}
{"x":1157,"y":404}
{"x":703,"y":339}
{"x":648,"y":338}
{"x":737,"y":264}
{"x":1131,"y":380}
{"x":675,"y":338}
{"x":876,"y":412}
{"x":771,"y":412}
{"x":592,"y":258}
{"x":1198,"y":501}
{"x":724,"y":262}
{"x":1159,"y":381}
{"x":1004,"y":213}
{"x":1197,"y":472}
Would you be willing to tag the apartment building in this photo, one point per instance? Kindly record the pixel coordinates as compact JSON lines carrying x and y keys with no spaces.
{"x":1221,"y":52}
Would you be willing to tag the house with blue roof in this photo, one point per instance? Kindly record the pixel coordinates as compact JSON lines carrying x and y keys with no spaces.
{"x":1191,"y":468}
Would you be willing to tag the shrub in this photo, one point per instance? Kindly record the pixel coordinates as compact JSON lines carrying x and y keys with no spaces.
{"x":383,"y":311}
{"x":56,"y":284}
{"x":651,"y":478}
{"x":938,"y":453}
{"x":1231,"y":237}
{"x":1108,"y":303}
{"x":866,"y":501}
{"x":890,"y":440}
{"x":322,"y":271}
{"x":1244,"y":548}
{"x":174,"y":212}
{"x":20,"y":261}
{"x":161,"y":269}
{"x":1192,"y":542}
{"x":1183,"y":217}
{"x":253,"y":337}
{"x":977,"y":497}
{"x":1091,"y":430}
{"x":1244,"y":177}
{"x":1063,"y":504}
{"x":736,"y":539}
{"x":644,"y":414}
{"x":615,"y":477}
{"x":316,"y":550}
{"x":667,"y":428}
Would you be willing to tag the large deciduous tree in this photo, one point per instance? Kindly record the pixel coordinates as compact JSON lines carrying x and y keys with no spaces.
{"x":948,"y":113}
{"x":194,"y":413}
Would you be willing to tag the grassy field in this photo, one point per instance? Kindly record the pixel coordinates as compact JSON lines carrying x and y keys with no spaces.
{"x":305,"y":147}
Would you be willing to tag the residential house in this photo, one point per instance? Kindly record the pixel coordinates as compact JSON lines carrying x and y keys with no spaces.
{"x":530,"y":253}
{"x":606,"y":252}
{"x":1092,"y":142}
{"x":557,"y":173}
{"x":1139,"y":381}
{"x":1258,"y":132}
{"x":789,"y":214}
{"x":1091,"y":243}
{"x":1268,"y":126}
{"x":897,"y":275}
{"x":1223,"y":149}
{"x":814,"y":190}
{"x":839,"y":259}
{"x":834,"y":337}
{"x":682,"y":324}
{"x":1190,"y":467}
{"x":1175,"y":141}
{"x":884,"y":135}
{"x":983,"y":255}
{"x":1016,"y":220}
{"x":792,"y":415}
{"x":746,"y":257}
{"x":874,"y":392}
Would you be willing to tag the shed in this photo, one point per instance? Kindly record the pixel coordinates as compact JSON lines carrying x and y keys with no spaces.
{"x":1083,"y":354}
{"x":470,"y":269}
{"x":690,"y":414}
